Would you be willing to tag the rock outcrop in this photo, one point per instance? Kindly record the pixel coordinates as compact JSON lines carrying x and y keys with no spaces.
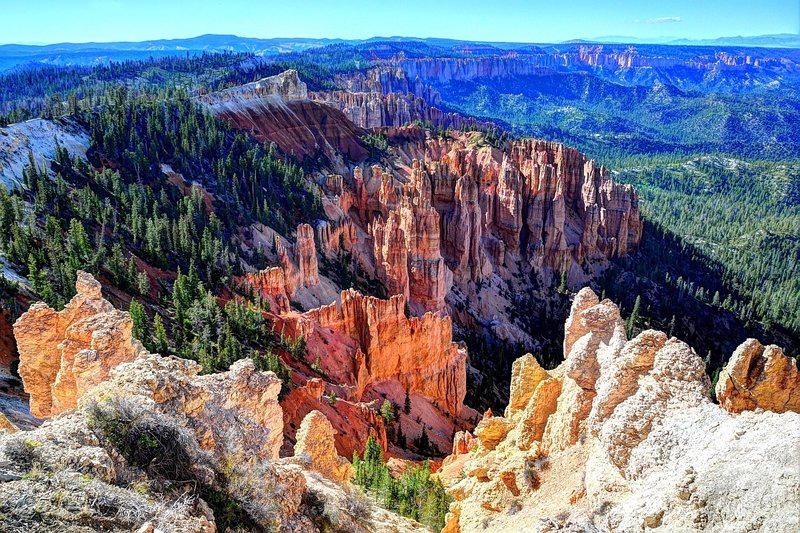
{"x":315,"y":444}
{"x":383,"y":344}
{"x":65,"y":353}
{"x":298,"y":268}
{"x":460,"y":225}
{"x":624,"y":437}
{"x":353,"y":422}
{"x":277,"y":109}
{"x":393,"y":110}
{"x":142,"y":428}
{"x":759,"y":377}
{"x":230,"y":412}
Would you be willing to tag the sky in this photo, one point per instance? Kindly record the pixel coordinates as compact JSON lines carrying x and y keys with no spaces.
{"x":54,"y":21}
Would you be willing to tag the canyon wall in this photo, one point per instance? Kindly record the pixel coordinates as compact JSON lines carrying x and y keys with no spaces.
{"x":377,"y":110}
{"x":382,"y":344}
{"x":594,"y":57}
{"x":624,"y":436}
{"x":456,"y":212}
{"x":277,"y":109}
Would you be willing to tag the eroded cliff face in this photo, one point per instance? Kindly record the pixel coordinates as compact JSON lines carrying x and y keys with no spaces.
{"x":461,"y":225}
{"x":623,"y":436}
{"x":65,"y":353}
{"x":86,"y":353}
{"x":277,"y":109}
{"x":394,"y":109}
{"x":603,"y":58}
{"x":353,"y":422}
{"x":216,"y":435}
{"x":416,"y":352}
{"x":298,"y":268}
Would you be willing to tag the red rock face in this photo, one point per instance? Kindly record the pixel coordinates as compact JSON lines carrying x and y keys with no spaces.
{"x":365,"y":341}
{"x":65,"y":353}
{"x":298,"y":268}
{"x":458,"y":214}
{"x":353,"y":422}
{"x":277,"y":109}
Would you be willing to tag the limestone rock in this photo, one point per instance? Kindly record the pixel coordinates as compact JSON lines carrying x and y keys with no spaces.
{"x":315,"y":441}
{"x":7,"y":425}
{"x":491,"y":431}
{"x":759,"y":377}
{"x":277,"y":109}
{"x":623,"y":436}
{"x":526,"y":374}
{"x":454,"y":216}
{"x":65,"y":353}
{"x":463,"y":443}
{"x":228,"y":411}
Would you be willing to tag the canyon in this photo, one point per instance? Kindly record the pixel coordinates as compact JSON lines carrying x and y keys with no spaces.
{"x":435,"y":244}
{"x":453,"y":223}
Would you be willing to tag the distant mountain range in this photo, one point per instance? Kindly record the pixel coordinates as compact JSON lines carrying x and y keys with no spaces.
{"x":13,"y":55}
{"x":778,"y":40}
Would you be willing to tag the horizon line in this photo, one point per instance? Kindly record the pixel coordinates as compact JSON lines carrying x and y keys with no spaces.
{"x":666,"y":39}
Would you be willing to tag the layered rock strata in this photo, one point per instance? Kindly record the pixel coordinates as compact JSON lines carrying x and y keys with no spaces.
{"x":277,"y":109}
{"x":383,"y":344}
{"x":459,"y":213}
{"x":221,"y":434}
{"x":298,"y":268}
{"x":623,"y":436}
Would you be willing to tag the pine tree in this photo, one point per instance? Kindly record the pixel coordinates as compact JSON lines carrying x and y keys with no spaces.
{"x":141,"y":326}
{"x":630,"y":327}
{"x":161,"y":344}
{"x":387,"y":412}
{"x":143,"y":283}
{"x":423,"y":443}
{"x":562,"y":286}
{"x":407,"y":404}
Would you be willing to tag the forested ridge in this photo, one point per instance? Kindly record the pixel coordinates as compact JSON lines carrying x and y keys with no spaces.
{"x":121,"y":215}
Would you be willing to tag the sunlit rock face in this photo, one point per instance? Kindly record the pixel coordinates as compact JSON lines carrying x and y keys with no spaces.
{"x":624,"y":436}
{"x":65,"y":353}
{"x":458,"y":225}
{"x":759,"y":377}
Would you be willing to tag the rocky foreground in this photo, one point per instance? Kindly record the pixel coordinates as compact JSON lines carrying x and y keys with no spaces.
{"x":624,"y":436}
{"x":134,"y":441}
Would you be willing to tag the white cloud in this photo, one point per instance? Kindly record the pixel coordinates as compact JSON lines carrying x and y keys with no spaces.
{"x":660,"y":20}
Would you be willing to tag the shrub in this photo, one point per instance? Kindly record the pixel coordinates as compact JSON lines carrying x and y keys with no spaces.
{"x":23,"y":452}
{"x":145,"y":439}
{"x":358,"y":506}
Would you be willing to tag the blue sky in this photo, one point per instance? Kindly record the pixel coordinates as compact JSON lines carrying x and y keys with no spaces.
{"x":49,"y":21}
